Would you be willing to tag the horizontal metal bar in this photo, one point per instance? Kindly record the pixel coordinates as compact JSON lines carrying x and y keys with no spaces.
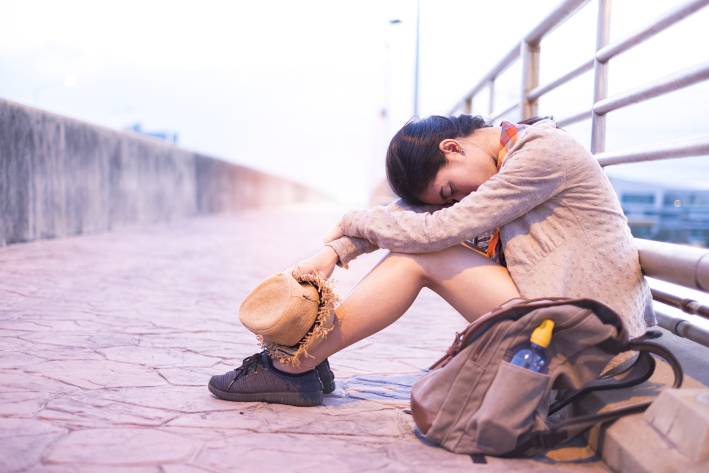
{"x":689,"y":306}
{"x":554,"y":19}
{"x":579,"y":117}
{"x":682,"y":327}
{"x":456,"y":108}
{"x":687,"y":266}
{"x":695,"y":147}
{"x":504,"y":112}
{"x":665,"y":21}
{"x":506,"y":61}
{"x":541,"y":90}
{"x":667,"y":84}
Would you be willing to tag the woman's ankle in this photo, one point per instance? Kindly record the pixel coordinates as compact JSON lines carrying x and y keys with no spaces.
{"x":290,"y":369}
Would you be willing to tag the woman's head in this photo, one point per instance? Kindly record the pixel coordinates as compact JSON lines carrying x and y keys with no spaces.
{"x":422,"y":148}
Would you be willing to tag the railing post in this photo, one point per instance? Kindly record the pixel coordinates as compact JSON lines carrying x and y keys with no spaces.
{"x":530,"y":78}
{"x":468,"y":108}
{"x":491,"y":88}
{"x":600,"y":81}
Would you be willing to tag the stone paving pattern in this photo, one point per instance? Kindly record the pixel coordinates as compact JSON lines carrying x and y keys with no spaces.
{"x":108,"y":341}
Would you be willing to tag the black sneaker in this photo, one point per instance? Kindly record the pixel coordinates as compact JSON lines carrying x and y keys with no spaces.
{"x":257,"y":380}
{"x":326,"y":376}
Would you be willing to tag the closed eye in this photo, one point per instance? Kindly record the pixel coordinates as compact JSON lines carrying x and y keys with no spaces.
{"x":444,"y":195}
{"x":452,"y":192}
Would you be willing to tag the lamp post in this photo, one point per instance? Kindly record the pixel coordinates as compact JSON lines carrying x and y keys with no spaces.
{"x":416,"y":64}
{"x":397,"y":21}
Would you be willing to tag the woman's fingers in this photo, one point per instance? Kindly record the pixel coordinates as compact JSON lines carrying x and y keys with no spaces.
{"x":304,"y":267}
{"x":323,"y":263}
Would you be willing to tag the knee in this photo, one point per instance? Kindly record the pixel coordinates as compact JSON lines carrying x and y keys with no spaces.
{"x":420,"y":264}
{"x":411,"y":263}
{"x":442,"y":265}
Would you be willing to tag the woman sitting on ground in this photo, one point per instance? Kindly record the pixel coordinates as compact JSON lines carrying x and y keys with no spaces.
{"x":486,"y":214}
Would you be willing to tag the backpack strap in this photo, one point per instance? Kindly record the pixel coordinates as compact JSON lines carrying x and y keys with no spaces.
{"x":643,"y":344}
{"x":640,"y":371}
{"x":572,"y":428}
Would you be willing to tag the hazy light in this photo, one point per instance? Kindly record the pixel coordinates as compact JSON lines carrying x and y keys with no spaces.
{"x":298,"y":89}
{"x":70,"y":81}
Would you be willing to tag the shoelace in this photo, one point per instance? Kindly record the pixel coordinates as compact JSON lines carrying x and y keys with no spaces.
{"x":249,"y":364}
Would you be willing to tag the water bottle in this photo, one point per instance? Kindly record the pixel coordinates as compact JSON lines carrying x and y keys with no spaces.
{"x":533,"y":356}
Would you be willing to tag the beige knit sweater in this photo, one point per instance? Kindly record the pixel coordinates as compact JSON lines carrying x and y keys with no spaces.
{"x":562,"y":229}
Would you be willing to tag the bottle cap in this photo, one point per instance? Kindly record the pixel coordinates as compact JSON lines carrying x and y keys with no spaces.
{"x":542,"y":334}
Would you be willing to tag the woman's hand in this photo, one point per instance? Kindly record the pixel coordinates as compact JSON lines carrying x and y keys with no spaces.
{"x":334,"y":234}
{"x":323,"y":263}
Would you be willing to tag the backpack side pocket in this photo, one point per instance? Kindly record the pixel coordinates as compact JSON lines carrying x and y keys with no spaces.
{"x":508,"y":410}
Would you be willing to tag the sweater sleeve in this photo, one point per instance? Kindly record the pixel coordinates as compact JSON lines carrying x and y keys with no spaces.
{"x":349,"y":248}
{"x":531,"y":175}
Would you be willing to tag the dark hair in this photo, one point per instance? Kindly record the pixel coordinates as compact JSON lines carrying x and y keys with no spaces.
{"x":413,"y":158}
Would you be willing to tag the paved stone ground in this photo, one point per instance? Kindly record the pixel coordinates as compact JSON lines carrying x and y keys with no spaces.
{"x":108,"y":341}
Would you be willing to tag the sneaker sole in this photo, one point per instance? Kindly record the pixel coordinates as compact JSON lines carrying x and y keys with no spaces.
{"x":306,"y":399}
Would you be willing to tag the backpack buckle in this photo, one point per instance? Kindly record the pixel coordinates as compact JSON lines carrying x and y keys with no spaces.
{"x":457,"y":344}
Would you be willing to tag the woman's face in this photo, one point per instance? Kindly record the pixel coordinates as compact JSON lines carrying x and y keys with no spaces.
{"x":468,"y":166}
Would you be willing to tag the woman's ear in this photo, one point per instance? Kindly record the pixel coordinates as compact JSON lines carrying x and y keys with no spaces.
{"x":450,"y":145}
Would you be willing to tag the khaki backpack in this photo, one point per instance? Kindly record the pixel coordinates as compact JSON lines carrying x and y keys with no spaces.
{"x":474,"y":401}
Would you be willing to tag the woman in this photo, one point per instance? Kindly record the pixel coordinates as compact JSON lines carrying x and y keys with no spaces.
{"x":486,"y":214}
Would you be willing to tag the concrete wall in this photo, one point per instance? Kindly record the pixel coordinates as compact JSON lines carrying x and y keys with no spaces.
{"x":60,"y":176}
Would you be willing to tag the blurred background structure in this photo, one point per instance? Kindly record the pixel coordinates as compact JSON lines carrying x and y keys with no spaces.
{"x":314,"y":89}
{"x":116,"y":115}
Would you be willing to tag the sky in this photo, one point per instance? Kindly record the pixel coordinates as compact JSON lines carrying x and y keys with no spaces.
{"x":313,"y":90}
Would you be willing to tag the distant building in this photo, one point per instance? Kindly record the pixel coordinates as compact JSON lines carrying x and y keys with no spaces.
{"x":665,"y":212}
{"x":169,"y":136}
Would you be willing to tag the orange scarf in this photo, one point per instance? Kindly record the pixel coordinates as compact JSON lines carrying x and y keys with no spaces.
{"x":489,"y":244}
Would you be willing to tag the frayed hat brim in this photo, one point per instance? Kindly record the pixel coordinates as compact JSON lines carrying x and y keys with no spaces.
{"x":324,"y":323}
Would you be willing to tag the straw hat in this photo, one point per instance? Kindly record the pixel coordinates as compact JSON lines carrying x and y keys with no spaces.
{"x":289,"y":313}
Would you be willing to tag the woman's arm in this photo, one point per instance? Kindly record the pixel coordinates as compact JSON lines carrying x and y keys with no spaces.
{"x":348,"y":248}
{"x":530,"y":176}
{"x":321,"y":263}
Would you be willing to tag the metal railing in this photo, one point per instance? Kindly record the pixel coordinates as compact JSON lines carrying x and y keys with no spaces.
{"x":678,"y":264}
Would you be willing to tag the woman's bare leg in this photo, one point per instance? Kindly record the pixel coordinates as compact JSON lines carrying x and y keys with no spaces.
{"x":469,"y":282}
